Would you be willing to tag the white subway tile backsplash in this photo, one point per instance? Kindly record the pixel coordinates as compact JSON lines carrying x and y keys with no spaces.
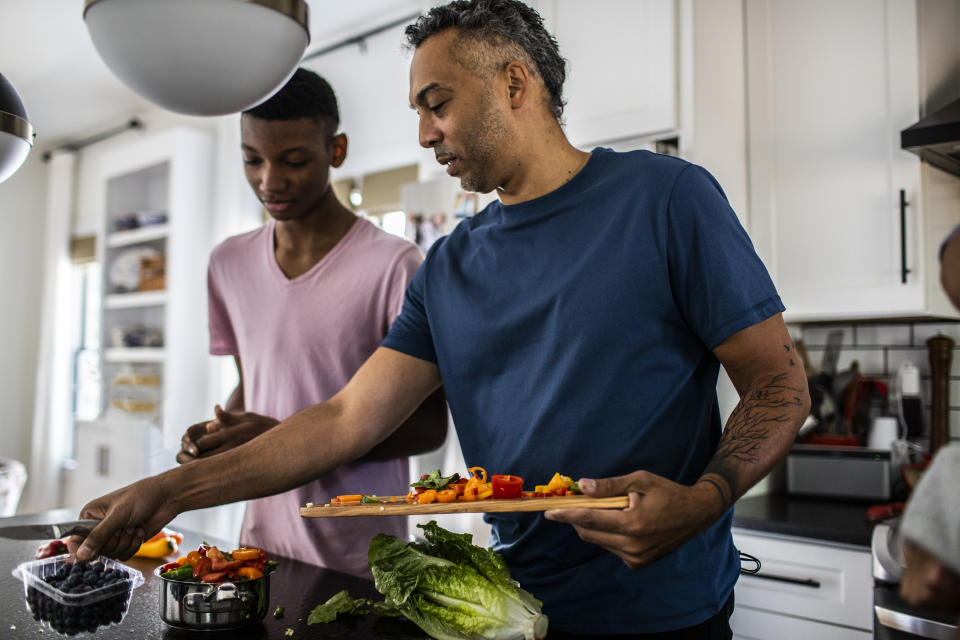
{"x":816,"y":336}
{"x":923,"y":331}
{"x":881,"y":348}
{"x":872,"y":335}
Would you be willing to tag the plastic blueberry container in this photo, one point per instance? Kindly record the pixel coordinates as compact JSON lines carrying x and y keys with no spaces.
{"x":75,"y":614}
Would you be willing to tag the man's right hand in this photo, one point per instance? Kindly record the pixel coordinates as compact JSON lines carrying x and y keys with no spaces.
{"x":128,"y":517}
{"x":226,"y":431}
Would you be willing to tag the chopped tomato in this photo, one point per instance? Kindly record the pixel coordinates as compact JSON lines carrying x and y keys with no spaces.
{"x":447,"y":495}
{"x":562,"y":491}
{"x":170,"y":566}
{"x":526,"y":494}
{"x":193,"y":558}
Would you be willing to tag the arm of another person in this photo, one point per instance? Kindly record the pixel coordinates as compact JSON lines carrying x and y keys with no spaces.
{"x":379,"y":397}
{"x":424,"y":431}
{"x":662,"y":515}
{"x":197,"y":440}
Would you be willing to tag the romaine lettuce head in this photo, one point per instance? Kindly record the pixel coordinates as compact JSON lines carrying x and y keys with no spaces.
{"x":452,"y":589}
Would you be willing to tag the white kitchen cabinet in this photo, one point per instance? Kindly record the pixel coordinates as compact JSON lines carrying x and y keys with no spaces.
{"x":111,"y":454}
{"x":153,"y":329}
{"x":753,"y":624}
{"x":830,"y":86}
{"x":805,"y":589}
{"x":622,"y":71}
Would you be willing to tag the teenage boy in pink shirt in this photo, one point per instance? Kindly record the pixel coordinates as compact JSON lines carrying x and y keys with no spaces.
{"x":300,"y":304}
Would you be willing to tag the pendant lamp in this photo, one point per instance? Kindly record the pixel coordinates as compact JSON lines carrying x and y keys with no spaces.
{"x":16,"y":134}
{"x":200,"y":57}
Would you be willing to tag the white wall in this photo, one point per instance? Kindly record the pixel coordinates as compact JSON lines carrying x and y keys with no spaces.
{"x":22,"y":208}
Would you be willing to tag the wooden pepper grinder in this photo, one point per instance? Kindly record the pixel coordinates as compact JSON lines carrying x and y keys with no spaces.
{"x":940,"y":351}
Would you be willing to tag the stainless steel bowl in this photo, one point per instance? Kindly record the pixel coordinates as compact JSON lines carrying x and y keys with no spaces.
{"x":199,"y":606}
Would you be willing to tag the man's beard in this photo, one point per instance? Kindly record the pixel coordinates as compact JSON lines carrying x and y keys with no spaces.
{"x":481,"y":150}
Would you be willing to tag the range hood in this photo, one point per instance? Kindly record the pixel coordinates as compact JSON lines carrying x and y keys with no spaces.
{"x":936,"y":138}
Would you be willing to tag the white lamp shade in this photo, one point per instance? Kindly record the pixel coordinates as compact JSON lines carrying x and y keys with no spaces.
{"x":13,"y":151}
{"x":199,"y":57}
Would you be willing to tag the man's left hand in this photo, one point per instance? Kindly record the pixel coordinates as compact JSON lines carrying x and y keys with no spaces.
{"x":929,"y":583}
{"x":661,"y":517}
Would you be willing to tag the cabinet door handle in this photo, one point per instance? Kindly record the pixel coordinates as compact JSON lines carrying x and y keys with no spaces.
{"x":903,"y":236}
{"x":103,"y":460}
{"x":803,"y":582}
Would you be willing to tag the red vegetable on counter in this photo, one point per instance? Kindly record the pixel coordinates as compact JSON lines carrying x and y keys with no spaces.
{"x":50,"y":549}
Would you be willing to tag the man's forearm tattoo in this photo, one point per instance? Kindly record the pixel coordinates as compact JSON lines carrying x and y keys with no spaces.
{"x":747,"y":429}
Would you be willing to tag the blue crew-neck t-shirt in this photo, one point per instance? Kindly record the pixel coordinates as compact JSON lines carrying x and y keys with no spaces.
{"x":573,"y":334}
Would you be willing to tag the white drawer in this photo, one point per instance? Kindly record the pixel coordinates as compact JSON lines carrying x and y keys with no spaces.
{"x":806,"y":580}
{"x":754,"y":624}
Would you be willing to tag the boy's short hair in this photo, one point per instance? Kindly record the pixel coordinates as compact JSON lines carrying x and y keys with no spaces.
{"x":306,"y":95}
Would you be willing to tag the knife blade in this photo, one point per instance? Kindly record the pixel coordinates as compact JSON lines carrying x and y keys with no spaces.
{"x":48,"y":531}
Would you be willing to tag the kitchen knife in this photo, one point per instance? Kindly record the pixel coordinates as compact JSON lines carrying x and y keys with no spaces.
{"x":48,"y":531}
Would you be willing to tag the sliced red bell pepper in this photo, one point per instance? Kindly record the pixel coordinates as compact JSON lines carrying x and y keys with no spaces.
{"x":213,"y":577}
{"x":506,"y":486}
{"x":202,"y":568}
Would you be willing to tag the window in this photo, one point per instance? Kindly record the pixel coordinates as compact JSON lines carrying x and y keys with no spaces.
{"x":86,"y":351}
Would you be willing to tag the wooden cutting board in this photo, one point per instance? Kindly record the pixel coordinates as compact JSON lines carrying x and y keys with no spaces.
{"x":402,"y":508}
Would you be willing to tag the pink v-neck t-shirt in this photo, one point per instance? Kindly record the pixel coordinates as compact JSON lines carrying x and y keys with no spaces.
{"x":299,"y":341}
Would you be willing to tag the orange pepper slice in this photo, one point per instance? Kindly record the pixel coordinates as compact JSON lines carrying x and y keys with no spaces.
{"x":245,"y":553}
{"x":249,"y":573}
{"x":447,"y":495}
{"x":483,"y":472}
{"x":427,"y":496}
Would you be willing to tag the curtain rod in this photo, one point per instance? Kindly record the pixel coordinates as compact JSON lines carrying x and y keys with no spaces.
{"x":358,"y":39}
{"x":132,"y":123}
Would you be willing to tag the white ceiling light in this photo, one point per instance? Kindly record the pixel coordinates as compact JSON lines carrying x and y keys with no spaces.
{"x":200,"y":57}
{"x":16,"y":134}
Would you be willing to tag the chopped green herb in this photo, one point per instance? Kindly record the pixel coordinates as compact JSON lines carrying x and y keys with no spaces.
{"x":435,"y":481}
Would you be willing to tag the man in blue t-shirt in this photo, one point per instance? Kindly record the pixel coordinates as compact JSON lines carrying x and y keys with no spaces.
{"x":578,"y":325}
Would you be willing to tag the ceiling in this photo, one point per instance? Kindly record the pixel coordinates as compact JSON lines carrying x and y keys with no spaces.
{"x":68,"y":92}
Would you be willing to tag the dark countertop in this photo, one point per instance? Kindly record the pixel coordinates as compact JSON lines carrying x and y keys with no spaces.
{"x":817,"y":518}
{"x":297,"y":586}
